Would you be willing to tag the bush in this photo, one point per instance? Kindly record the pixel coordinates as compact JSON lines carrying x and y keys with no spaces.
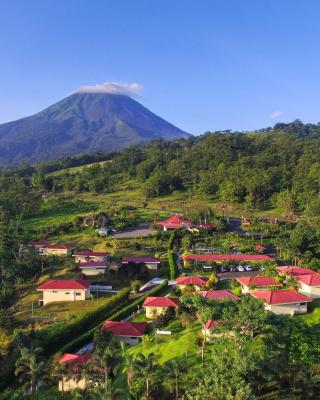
{"x":118,"y":316}
{"x":53,"y":335}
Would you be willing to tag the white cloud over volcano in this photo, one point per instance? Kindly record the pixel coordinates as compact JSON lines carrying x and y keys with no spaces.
{"x":128,"y":89}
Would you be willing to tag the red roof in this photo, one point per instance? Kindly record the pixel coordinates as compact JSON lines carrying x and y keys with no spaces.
{"x":91,"y":254}
{"x":218,"y":295}
{"x":227,"y":257}
{"x":125,"y":328}
{"x":191,"y":280}
{"x":174,"y":222}
{"x":210,"y":324}
{"x":93,"y":264}
{"x":78,"y":359}
{"x":65,"y":284}
{"x":140,"y":260}
{"x":261,"y":281}
{"x":161,"y":302}
{"x":38,"y":243}
{"x":59,"y":247}
{"x":310,"y":279}
{"x":295,"y":271}
{"x":259,"y":247}
{"x":281,"y":296}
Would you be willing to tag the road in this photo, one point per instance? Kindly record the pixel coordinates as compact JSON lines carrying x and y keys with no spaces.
{"x":139,"y":231}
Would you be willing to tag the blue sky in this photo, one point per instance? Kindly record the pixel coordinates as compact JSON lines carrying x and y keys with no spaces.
{"x":204,"y":65}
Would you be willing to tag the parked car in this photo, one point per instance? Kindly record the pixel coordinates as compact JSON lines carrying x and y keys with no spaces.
{"x":248,"y":268}
{"x":240,"y":268}
{"x":223,"y":269}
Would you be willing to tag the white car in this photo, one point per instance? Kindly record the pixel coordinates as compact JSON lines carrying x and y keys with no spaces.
{"x":240,"y":268}
{"x":248,"y":268}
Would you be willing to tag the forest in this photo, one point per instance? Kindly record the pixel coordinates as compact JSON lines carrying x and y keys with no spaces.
{"x":276,"y":166}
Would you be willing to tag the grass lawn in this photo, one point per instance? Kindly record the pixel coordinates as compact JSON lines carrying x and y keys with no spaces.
{"x":312,"y":318}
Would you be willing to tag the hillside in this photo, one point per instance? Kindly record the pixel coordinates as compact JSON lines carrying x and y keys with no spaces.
{"x":82,"y":123}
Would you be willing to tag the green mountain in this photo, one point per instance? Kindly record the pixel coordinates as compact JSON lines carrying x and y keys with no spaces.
{"x":82,"y":123}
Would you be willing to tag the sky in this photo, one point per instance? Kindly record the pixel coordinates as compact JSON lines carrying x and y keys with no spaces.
{"x":202,"y":65}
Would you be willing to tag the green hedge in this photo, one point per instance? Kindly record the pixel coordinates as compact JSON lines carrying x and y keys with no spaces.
{"x":171,"y":260}
{"x":121,"y":314}
{"x":53,"y":335}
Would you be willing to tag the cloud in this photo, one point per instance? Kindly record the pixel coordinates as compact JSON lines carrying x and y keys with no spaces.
{"x":128,"y":89}
{"x":276,"y":114}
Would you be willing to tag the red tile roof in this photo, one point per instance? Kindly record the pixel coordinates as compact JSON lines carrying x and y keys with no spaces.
{"x":281,"y":296}
{"x":78,"y":359}
{"x":259,"y":247}
{"x":91,"y":254}
{"x":210,"y":324}
{"x":93,"y":264}
{"x":260,"y":281}
{"x":141,"y":260}
{"x":62,"y":284}
{"x":174,"y":222}
{"x":191,"y":280}
{"x":38,"y":243}
{"x":227,"y":257}
{"x":161,"y":302}
{"x":310,"y":279}
{"x":295,"y":271}
{"x":218,"y":295}
{"x":125,"y":328}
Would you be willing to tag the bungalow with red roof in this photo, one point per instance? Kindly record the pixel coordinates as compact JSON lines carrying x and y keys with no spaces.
{"x":175,"y":222}
{"x":39,"y":246}
{"x":209,"y":328}
{"x":155,"y":306}
{"x":128,"y":332}
{"x":222,"y":294}
{"x":249,"y":283}
{"x":93,"y":267}
{"x":58,"y":250}
{"x":309,"y":285}
{"x":259,"y":248}
{"x":308,"y":280}
{"x":92,"y":256}
{"x":74,"y":362}
{"x":64,"y":290}
{"x":197,"y":281}
{"x":294,"y":270}
{"x":220,"y":258}
{"x":151,"y":263}
{"x":284,"y":301}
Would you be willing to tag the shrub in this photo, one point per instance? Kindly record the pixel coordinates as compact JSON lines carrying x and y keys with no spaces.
{"x":53,"y":335}
{"x":118,"y":316}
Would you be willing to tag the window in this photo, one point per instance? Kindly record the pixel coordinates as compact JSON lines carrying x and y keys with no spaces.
{"x":78,"y":293}
{"x":66,"y":292}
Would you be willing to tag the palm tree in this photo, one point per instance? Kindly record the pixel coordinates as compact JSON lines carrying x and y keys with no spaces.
{"x":61,"y":371}
{"x":146,"y":368}
{"x":30,"y":369}
{"x":127,"y":363}
{"x":174,"y":369}
{"x":308,"y":380}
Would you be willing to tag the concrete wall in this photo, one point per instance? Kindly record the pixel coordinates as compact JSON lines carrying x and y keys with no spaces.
{"x":70,"y":384}
{"x":310,"y":291}
{"x":287,"y":309}
{"x":152,"y":266}
{"x":131,"y":340}
{"x":93,"y":271}
{"x":91,"y":258}
{"x":56,"y":252}
{"x":50,"y":296}
{"x":153,"y":312}
{"x":196,"y":288}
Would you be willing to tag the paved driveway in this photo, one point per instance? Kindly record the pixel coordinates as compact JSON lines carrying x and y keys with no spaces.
{"x":232,"y":275}
{"x":140,"y":231}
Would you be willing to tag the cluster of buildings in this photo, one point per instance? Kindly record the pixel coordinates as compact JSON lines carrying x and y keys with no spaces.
{"x":176,"y":222}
